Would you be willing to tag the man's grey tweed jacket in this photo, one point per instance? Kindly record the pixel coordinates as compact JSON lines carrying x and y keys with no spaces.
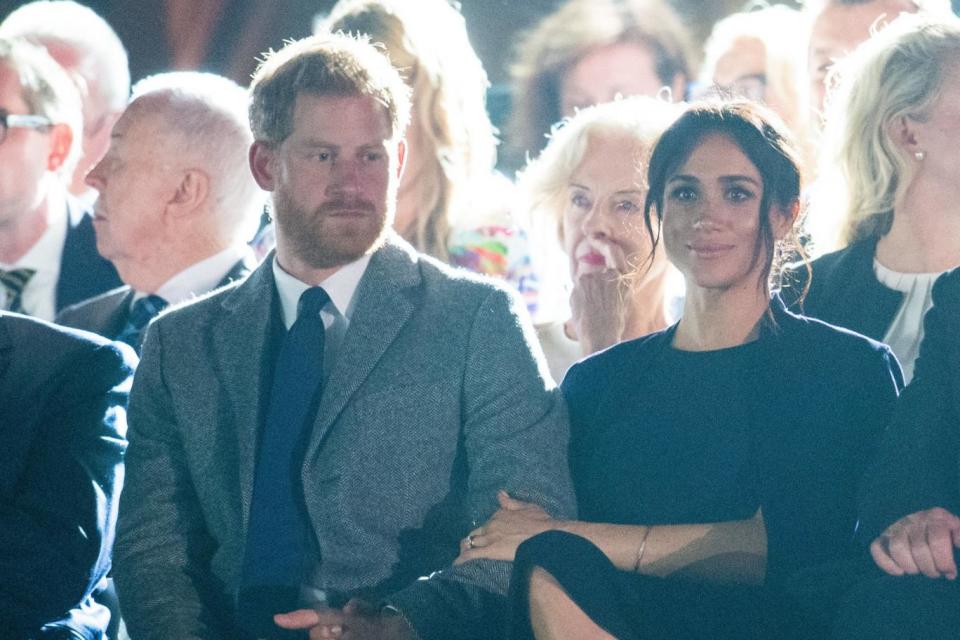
{"x":438,"y":398}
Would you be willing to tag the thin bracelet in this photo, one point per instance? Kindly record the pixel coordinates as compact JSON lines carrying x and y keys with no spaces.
{"x":640,"y":549}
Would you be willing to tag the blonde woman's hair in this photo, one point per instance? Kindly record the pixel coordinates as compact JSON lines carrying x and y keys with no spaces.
{"x":898,"y":73}
{"x":543,"y":185}
{"x":777,"y":29}
{"x":564,"y":37}
{"x":427,"y":42}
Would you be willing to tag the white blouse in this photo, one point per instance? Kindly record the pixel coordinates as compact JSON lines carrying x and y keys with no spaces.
{"x":906,"y":330}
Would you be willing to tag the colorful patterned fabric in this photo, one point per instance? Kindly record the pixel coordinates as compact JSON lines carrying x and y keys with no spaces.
{"x":498,"y":251}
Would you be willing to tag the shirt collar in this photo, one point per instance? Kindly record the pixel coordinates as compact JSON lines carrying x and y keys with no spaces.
{"x":201,"y":277}
{"x":341,"y":287}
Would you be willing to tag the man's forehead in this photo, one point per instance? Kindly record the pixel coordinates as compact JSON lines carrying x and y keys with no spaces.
{"x":341,"y":114}
{"x":845,"y":24}
{"x":11,"y":89}
{"x":143,"y":114}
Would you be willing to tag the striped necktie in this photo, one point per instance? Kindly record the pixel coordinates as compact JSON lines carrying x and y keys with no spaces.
{"x":13,"y":283}
{"x":141,"y":313}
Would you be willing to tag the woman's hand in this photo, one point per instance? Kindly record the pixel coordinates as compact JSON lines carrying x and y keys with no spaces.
{"x":921,"y":542}
{"x":599,"y":308}
{"x":499,"y":538}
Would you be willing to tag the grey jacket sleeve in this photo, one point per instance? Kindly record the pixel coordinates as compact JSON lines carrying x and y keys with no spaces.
{"x":516,"y":433}
{"x":162,"y":545}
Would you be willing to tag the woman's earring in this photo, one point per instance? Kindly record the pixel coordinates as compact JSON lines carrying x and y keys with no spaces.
{"x":920,"y":155}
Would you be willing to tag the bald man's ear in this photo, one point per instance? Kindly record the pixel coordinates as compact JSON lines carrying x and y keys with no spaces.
{"x":262,"y":158}
{"x":61,"y":138}
{"x":193,"y":191}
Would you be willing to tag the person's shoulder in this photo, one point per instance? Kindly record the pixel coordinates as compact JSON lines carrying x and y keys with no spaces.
{"x":51,"y":343}
{"x":93,"y":307}
{"x":618,"y":357}
{"x":199,"y":308}
{"x":820,"y":340}
{"x":946,"y":290}
{"x":461,"y":288}
{"x":842,"y":260}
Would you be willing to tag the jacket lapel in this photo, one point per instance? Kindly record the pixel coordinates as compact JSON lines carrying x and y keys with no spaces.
{"x":242,"y":350}
{"x":384,"y":304}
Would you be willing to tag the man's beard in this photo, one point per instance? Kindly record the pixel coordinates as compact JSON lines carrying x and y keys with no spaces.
{"x":323,"y":242}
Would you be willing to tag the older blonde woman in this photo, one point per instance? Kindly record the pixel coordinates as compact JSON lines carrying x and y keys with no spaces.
{"x":589,"y":51}
{"x":585,"y":194}
{"x":890,"y":183}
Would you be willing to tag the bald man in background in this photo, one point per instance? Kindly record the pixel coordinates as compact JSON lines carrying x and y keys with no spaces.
{"x":177,"y":201}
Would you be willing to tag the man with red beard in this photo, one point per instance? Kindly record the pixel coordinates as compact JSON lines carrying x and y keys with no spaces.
{"x":306,"y":445}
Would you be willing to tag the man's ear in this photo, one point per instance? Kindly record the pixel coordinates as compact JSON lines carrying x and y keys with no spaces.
{"x":193,"y":190}
{"x":61,"y":139}
{"x":401,"y":157}
{"x":262,"y":157}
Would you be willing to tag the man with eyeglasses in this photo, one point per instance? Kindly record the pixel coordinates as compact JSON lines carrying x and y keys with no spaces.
{"x":48,"y":253}
{"x":86,"y":46}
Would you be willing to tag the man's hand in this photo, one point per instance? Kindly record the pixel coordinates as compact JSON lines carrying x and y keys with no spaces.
{"x":358,"y":620}
{"x":921,"y":542}
{"x":499,"y":538}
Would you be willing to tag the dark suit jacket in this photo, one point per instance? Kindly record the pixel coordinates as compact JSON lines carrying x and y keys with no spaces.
{"x":435,"y":401}
{"x":84,"y":273}
{"x":62,"y":412}
{"x":107,"y":313}
{"x":845,"y":292}
{"x":919,"y":465}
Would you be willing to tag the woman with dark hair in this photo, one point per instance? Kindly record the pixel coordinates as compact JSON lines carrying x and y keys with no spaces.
{"x":720,"y":454}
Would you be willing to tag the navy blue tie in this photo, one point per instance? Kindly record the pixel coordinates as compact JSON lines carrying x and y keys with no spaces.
{"x":279,"y":547}
{"x":141,"y":313}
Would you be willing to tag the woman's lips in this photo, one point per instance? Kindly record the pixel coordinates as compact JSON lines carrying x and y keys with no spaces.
{"x":593,"y":259}
{"x":709,"y":249}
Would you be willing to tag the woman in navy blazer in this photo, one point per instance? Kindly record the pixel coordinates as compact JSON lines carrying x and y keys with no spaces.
{"x":910,"y":506}
{"x":716,"y":458}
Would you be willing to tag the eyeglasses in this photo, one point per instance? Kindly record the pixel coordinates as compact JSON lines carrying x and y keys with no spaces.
{"x":752,"y":87}
{"x":14,"y":120}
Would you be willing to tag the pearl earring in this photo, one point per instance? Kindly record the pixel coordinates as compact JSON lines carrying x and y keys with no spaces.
{"x":920,"y":155}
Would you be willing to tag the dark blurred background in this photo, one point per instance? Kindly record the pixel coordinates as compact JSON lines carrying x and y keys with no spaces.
{"x":241,"y":29}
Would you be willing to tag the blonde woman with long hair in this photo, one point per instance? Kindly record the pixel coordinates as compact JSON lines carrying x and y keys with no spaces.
{"x":891,"y":183}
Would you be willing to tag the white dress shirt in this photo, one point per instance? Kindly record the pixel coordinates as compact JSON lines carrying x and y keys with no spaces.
{"x":39,"y":296}
{"x":341,"y":287}
{"x":201,"y":277}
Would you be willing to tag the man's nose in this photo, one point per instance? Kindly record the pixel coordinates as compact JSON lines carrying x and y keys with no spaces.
{"x":94,"y":177}
{"x":345,"y":176}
